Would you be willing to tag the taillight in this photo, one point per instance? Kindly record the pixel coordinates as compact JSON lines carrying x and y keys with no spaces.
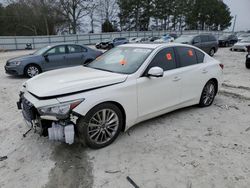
{"x":221,"y":66}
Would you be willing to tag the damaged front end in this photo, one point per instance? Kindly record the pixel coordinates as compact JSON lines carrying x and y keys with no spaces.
{"x":55,"y":121}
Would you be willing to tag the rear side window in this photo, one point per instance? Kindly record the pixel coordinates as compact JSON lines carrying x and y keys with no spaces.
{"x":204,"y":38}
{"x":197,"y":40}
{"x":212,"y":38}
{"x":164,"y":59}
{"x":56,"y":50}
{"x":187,"y":56}
{"x":76,"y":49}
{"x":200,"y":56}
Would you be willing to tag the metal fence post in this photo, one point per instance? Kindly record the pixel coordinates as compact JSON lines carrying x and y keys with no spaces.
{"x":33,"y":41}
{"x":16,"y":43}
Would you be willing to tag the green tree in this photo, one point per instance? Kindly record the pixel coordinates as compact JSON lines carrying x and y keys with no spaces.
{"x":107,"y":26}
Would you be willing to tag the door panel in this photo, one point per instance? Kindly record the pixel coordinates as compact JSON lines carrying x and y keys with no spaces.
{"x":76,"y":55}
{"x":197,"y":42}
{"x":193,"y":79}
{"x":56,"y":58}
{"x":206,"y":45}
{"x":156,"y":94}
{"x":193,"y":72}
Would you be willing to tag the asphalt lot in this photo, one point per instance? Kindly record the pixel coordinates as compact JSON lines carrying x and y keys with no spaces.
{"x":189,"y":148}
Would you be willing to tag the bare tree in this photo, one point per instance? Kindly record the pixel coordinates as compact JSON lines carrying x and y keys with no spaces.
{"x":74,"y":11}
{"x":107,"y":10}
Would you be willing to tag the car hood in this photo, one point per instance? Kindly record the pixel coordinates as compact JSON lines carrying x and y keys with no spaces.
{"x":71,"y":80}
{"x":23,"y":58}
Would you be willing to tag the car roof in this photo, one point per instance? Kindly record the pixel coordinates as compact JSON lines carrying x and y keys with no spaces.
{"x":59,"y":44}
{"x":154,"y":45}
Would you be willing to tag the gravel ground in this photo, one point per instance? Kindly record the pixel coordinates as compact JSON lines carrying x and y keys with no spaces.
{"x":189,"y":148}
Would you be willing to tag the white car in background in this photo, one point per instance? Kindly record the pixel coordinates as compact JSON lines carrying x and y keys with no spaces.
{"x":165,"y":39}
{"x":243,"y":36}
{"x":127,"y":85}
{"x":242,"y":45}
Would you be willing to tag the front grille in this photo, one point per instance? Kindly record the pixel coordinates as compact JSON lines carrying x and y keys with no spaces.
{"x":28,"y":110}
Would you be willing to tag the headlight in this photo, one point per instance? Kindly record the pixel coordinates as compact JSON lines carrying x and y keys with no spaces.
{"x":15,"y":63}
{"x":61,"y":111}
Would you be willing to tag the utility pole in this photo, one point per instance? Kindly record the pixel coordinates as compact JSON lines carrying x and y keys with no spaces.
{"x":234,"y":23}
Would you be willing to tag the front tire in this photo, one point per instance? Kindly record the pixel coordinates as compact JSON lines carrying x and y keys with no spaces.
{"x":208,"y":94}
{"x":32,"y":70}
{"x":110,"y":46}
{"x":212,"y":52}
{"x":101,"y":125}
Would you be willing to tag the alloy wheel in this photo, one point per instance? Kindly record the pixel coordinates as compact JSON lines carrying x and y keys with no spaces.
{"x":208,"y":94}
{"x":103,"y":126}
{"x":212,"y":52}
{"x":32,"y":71}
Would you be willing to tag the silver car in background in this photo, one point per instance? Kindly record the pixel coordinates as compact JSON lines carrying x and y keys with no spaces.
{"x":241,"y":45}
{"x":50,"y":58}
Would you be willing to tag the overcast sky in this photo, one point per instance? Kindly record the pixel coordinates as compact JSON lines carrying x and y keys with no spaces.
{"x":241,"y":8}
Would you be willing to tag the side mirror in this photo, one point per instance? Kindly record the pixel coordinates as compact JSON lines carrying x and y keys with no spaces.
{"x":46,"y":57}
{"x":195,"y":42}
{"x":155,"y":72}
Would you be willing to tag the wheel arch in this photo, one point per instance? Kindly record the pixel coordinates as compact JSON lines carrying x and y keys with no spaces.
{"x":25,"y":67}
{"x":120,"y":107}
{"x":216,"y":84}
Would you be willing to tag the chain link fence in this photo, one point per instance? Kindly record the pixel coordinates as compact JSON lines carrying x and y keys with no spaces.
{"x":19,"y":42}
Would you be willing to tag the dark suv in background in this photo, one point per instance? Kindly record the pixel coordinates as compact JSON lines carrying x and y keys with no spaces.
{"x":206,"y":42}
{"x":227,"y":40}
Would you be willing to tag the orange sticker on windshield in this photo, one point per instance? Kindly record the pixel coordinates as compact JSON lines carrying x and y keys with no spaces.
{"x":123,"y":62}
{"x":169,"y":56}
{"x":190,"y":53}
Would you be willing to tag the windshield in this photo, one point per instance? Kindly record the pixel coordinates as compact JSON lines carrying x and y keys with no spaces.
{"x":224,"y":37}
{"x":42,"y":50}
{"x":184,"y":39}
{"x":125,"y":60}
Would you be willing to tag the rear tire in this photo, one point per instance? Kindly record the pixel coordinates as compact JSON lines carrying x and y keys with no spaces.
{"x":208,"y":94}
{"x":101,"y":125}
{"x":248,"y":65}
{"x":32,"y":70}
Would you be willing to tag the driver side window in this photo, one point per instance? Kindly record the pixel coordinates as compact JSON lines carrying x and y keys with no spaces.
{"x":197,"y":40}
{"x":56,"y":50}
{"x":164,"y":59}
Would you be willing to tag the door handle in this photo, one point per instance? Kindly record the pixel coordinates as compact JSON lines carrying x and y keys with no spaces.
{"x":176,"y":78}
{"x":204,"y":71}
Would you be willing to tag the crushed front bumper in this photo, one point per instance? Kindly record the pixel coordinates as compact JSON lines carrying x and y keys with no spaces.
{"x":55,"y":129}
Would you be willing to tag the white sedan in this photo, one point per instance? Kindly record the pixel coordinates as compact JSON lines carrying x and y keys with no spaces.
{"x":126,"y":85}
{"x":242,"y":45}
